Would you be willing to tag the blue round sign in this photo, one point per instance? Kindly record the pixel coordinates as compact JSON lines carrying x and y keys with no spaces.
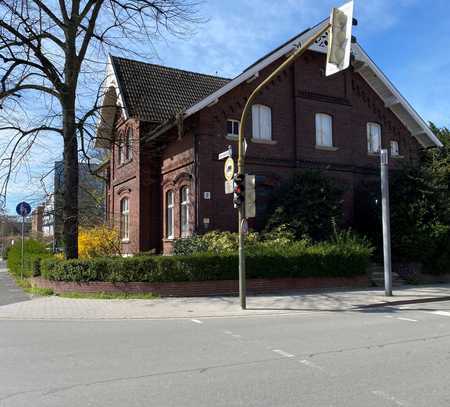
{"x":23,"y":209}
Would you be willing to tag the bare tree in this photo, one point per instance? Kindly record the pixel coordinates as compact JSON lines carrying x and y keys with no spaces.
{"x":46,"y":49}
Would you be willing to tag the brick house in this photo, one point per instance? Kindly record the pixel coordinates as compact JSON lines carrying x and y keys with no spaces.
{"x":165,"y":127}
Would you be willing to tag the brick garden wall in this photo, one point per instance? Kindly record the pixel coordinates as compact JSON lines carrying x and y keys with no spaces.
{"x":204,"y":288}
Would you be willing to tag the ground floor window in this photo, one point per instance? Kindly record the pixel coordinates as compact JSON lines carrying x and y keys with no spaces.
{"x":124,"y":219}
{"x":169,"y":215}
{"x":184,"y":211}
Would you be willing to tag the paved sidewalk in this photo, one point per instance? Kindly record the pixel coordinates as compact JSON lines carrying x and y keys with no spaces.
{"x":54,"y":308}
{"x":9,"y":291}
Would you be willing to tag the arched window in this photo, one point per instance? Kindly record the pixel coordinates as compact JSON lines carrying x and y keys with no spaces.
{"x":262,"y":122}
{"x":184,"y":211}
{"x":373,"y":138}
{"x":124,"y":219}
{"x":324,"y":130}
{"x":169,"y":215}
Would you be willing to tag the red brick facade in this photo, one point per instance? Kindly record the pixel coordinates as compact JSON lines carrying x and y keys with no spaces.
{"x":187,"y":156}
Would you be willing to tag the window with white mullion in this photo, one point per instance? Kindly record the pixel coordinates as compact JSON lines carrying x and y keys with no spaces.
{"x":184,"y":211}
{"x":233,"y":128}
{"x":324,"y":130}
{"x":373,"y":138}
{"x":124,"y":219}
{"x":262,"y":122}
{"x":169,"y":215}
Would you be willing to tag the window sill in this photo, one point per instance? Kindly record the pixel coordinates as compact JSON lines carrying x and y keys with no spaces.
{"x":124,"y":163}
{"x":326,"y":148}
{"x":260,"y":141}
{"x":125,"y":240}
{"x":232,"y":137}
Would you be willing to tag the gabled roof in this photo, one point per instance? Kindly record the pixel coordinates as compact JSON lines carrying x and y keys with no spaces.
{"x":154,"y":93}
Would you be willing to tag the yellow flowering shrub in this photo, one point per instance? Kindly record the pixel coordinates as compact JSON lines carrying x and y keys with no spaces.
{"x":99,"y":241}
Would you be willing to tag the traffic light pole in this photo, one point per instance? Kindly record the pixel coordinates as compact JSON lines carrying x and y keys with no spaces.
{"x":241,"y":153}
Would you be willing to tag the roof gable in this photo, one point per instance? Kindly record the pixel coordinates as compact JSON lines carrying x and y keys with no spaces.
{"x":154,"y":93}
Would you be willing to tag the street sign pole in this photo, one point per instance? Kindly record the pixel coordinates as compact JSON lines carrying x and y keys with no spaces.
{"x":386,"y":222}
{"x":23,"y":232}
{"x":23,"y":209}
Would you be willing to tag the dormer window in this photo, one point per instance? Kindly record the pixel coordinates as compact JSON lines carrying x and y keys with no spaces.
{"x":233,"y":128}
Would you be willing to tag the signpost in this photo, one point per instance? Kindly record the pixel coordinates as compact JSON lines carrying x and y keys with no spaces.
{"x":23,"y":209}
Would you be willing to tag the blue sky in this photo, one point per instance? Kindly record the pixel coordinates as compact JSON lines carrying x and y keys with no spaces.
{"x":408,"y":39}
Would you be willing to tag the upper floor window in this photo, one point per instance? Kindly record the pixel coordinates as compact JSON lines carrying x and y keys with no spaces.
{"x":395,"y":151}
{"x":126,"y":147}
{"x":373,"y":138}
{"x":129,"y":145}
{"x":324,"y":130}
{"x":262,"y":122}
{"x":233,"y":128}
{"x":169,"y":215}
{"x":124,"y":219}
{"x":184,"y":211}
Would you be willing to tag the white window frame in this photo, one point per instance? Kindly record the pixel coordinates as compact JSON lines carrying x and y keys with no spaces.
{"x":184,"y":212}
{"x":125,"y":219}
{"x":371,"y":126}
{"x":395,"y":148}
{"x":324,"y":130}
{"x":170,"y":219}
{"x":234,"y":128}
{"x":129,"y":144}
{"x":262,"y":122}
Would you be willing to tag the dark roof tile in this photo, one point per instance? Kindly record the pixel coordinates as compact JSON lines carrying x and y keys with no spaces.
{"x":154,"y":93}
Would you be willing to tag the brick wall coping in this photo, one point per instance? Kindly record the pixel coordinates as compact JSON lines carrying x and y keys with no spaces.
{"x":205,"y":288}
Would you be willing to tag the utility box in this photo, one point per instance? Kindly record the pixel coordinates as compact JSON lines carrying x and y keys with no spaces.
{"x":250,"y":196}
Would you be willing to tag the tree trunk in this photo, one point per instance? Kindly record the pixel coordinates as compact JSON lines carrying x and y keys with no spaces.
{"x":71,"y":175}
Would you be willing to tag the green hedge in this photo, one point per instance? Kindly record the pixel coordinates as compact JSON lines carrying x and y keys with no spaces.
{"x":34,"y":252}
{"x":322,"y":260}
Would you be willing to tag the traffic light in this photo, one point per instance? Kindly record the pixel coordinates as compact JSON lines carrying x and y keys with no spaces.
{"x":238,"y":190}
{"x":340,"y":39}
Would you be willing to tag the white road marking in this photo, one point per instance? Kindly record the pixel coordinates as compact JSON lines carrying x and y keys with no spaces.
{"x":388,"y":397}
{"x":236,"y":336}
{"x":311,"y":364}
{"x":407,"y":319}
{"x":441,"y":313}
{"x":228,"y":332}
{"x":283,"y":353}
{"x":388,"y":316}
{"x":197,"y":321}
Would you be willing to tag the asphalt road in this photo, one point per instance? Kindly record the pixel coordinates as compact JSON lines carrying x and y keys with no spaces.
{"x":390,"y":357}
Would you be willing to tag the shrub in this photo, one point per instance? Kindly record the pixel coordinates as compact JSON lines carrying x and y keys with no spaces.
{"x":306,"y":204}
{"x":347,"y":256}
{"x":99,"y":241}
{"x":189,"y":245}
{"x":31,"y":249}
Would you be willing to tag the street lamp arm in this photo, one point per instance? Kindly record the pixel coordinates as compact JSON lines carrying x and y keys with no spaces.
{"x":245,"y":113}
{"x":297,"y":53}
